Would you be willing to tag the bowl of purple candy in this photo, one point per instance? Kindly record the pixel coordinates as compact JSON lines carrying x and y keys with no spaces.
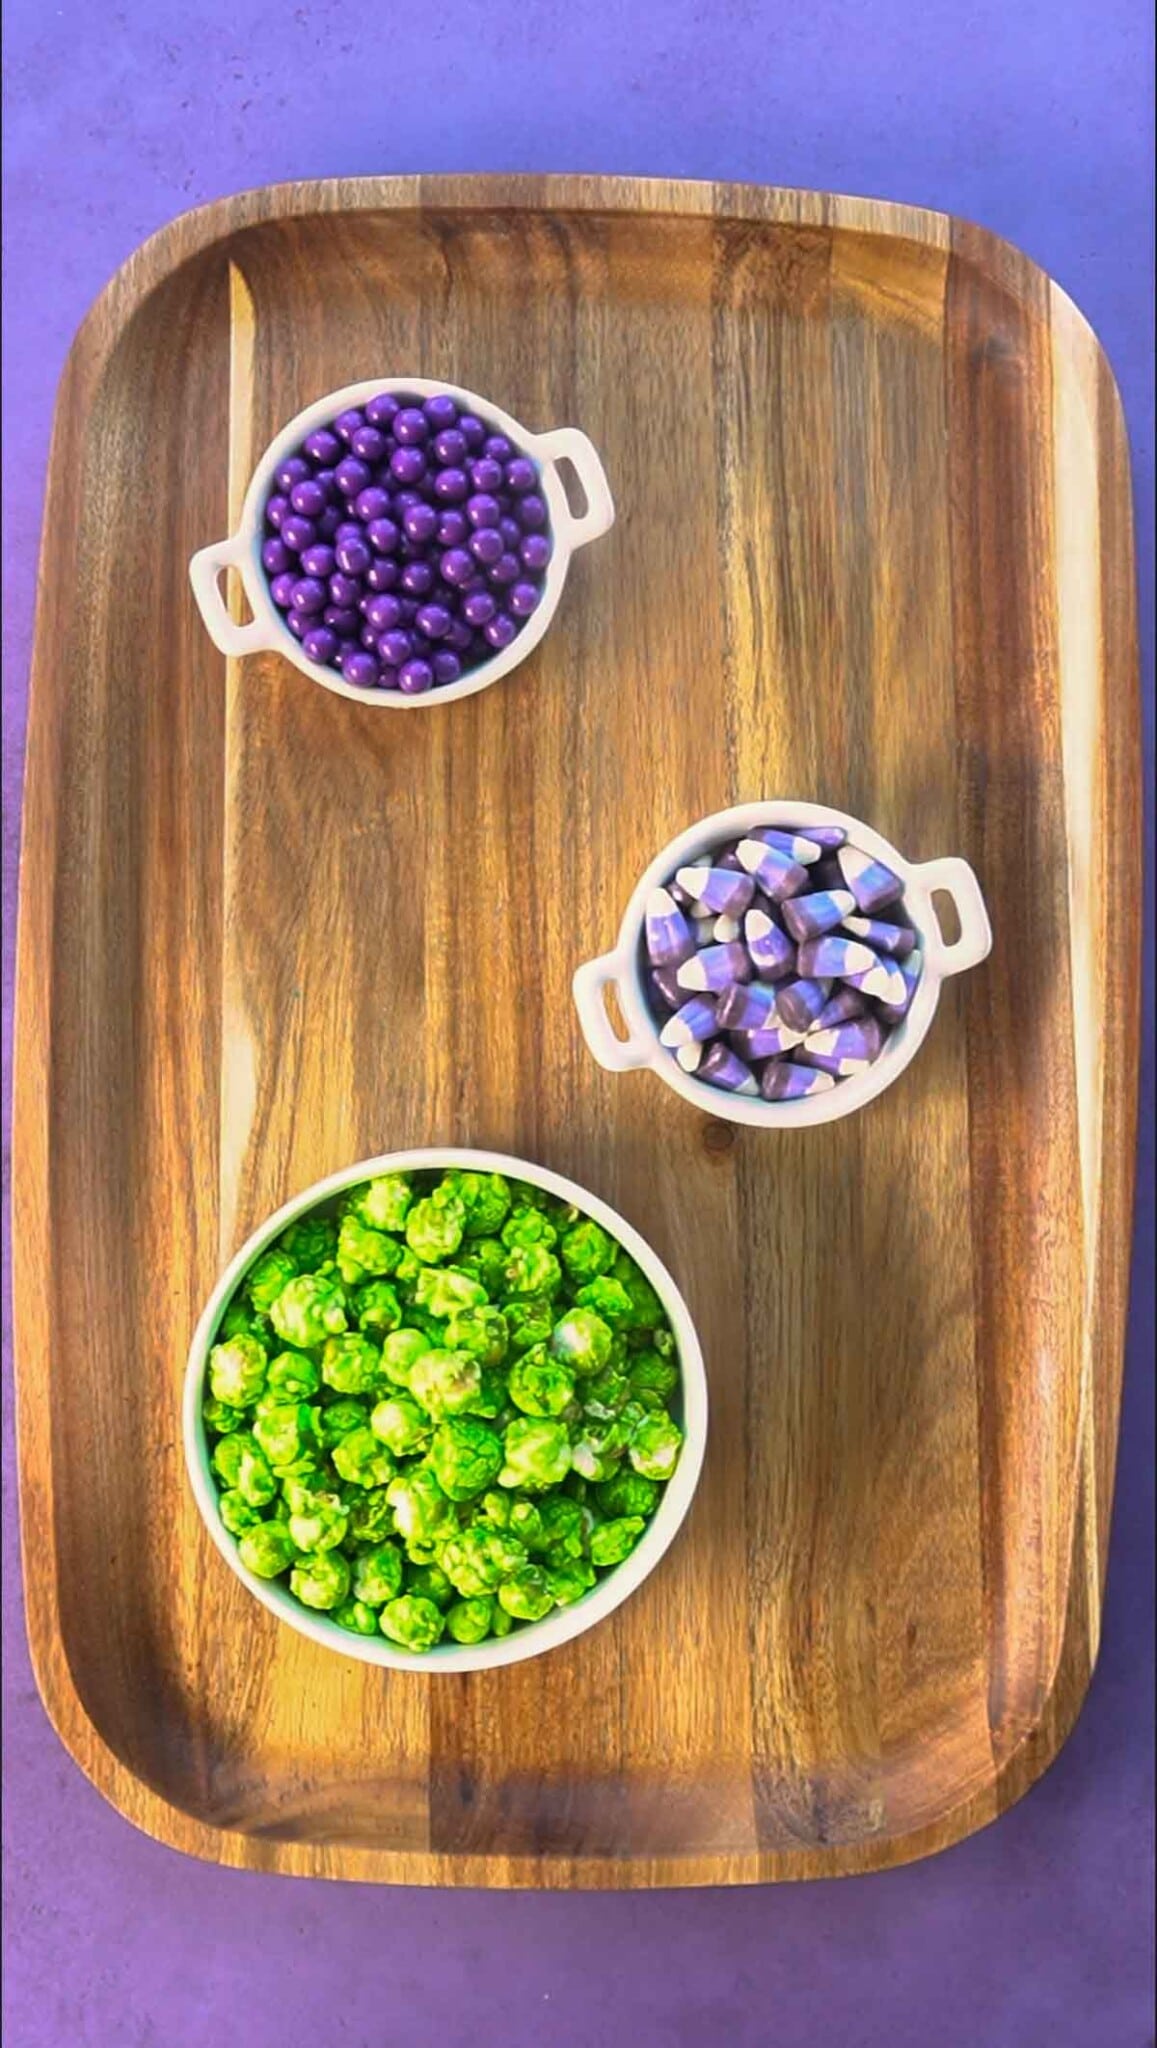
{"x":404,"y":542}
{"x":780,"y":964}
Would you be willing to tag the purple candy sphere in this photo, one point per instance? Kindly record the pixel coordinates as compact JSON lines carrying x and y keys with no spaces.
{"x":372,"y":503}
{"x":457,"y":566}
{"x":411,"y":426}
{"x":501,"y":630}
{"x":450,"y":446}
{"x":414,"y":677}
{"x":319,"y":560}
{"x":535,"y":551}
{"x":520,"y":475}
{"x":441,"y":411}
{"x":308,"y":498}
{"x":472,"y":430}
{"x":453,"y":528}
{"x":323,"y":447}
{"x":523,"y":599}
{"x":383,"y":410}
{"x":507,"y":569}
{"x":275,"y":557}
{"x":343,"y":619}
{"x":407,"y":464}
{"x":434,"y":621}
{"x":418,"y":578}
{"x":483,"y":509}
{"x":382,"y":534}
{"x":354,"y":556}
{"x":478,"y":606}
{"x":292,"y":471}
{"x":344,"y":590}
{"x":347,"y":423}
{"x":486,"y":546}
{"x":419,"y":523}
{"x":531,"y":512}
{"x":382,"y":573}
{"x":298,"y":623}
{"x":298,"y":533}
{"x":321,"y":644}
{"x":361,"y":669}
{"x":446,"y":665}
{"x":369,"y":445}
{"x":276,"y":508}
{"x":395,"y":647}
{"x":352,"y":476}
{"x":486,"y":474}
{"x":308,"y":595}
{"x":282,"y":588}
{"x":451,"y":485}
{"x":383,"y":612}
{"x":498,"y":447}
{"x":329,"y":522}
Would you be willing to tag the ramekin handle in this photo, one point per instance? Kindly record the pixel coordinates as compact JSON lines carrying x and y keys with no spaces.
{"x":205,"y":571}
{"x":957,"y":880}
{"x":571,"y":445}
{"x":590,"y":981}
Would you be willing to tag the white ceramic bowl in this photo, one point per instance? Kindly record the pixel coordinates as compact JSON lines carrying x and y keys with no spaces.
{"x":565,"y":1622}
{"x":242,"y":550}
{"x":624,"y":968}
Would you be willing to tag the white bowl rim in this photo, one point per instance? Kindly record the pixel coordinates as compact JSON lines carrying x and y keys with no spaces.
{"x":564,"y":1623}
{"x":241,"y":550}
{"x":939,"y":959}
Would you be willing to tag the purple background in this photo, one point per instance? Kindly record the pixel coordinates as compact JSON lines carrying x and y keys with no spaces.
{"x":1033,"y":118}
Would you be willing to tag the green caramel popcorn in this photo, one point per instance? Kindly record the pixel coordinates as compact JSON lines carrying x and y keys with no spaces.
{"x":441,"y":1406}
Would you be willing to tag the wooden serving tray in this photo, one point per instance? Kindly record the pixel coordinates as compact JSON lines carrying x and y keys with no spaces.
{"x":874,"y":546}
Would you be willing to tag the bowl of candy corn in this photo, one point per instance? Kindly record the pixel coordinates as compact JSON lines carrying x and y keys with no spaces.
{"x":780,"y":963}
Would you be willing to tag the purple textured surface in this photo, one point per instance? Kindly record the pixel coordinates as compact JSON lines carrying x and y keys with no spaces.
{"x":1033,"y":119}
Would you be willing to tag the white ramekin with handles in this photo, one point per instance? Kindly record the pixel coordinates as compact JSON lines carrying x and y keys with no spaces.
{"x":242,"y":550}
{"x":624,"y":969}
{"x":565,"y":1622}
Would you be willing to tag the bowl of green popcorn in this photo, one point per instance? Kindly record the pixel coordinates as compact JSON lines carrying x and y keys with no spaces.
{"x":444,"y":1410}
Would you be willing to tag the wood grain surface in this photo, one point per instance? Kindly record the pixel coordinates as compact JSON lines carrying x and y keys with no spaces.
{"x":874,"y":546}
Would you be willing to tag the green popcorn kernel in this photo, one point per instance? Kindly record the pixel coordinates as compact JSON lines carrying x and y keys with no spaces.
{"x":482,"y":1332}
{"x":267,"y":1276}
{"x":399,"y":1352}
{"x":612,"y":1541}
{"x":362,"y":1460}
{"x":564,"y":1527}
{"x":531,"y":1269}
{"x":526,"y":1226}
{"x":598,"y":1448}
{"x":350,"y":1364}
{"x":401,"y":1425}
{"x":254,"y":1481}
{"x":586,"y":1251}
{"x":526,"y":1596}
{"x":465,"y":1457}
{"x":384,"y":1203}
{"x":655,"y":1446}
{"x":322,"y":1581}
{"x":537,"y":1454}
{"x":539,"y":1384}
{"x":357,"y":1617}
{"x":430,"y":1581}
{"x":237,"y":1371}
{"x":377,"y":1308}
{"x":293,"y":1375}
{"x":371,"y":1516}
{"x":236,"y":1513}
{"x":567,"y":1583}
{"x":484,"y":1258}
{"x":412,"y":1622}
{"x":338,"y":1419}
{"x":582,"y":1340}
{"x":241,"y":1320}
{"x":219,"y":1418}
{"x":443,"y":1291}
{"x":423,"y":1514}
{"x":320,"y":1525}
{"x":628,"y":1493}
{"x":603,"y":1396}
{"x":434,"y":1228}
{"x":646,"y":1308}
{"x":529,"y":1322}
{"x":363,"y":1253}
{"x":501,"y":1623}
{"x":446,"y":1382}
{"x":267,"y":1550}
{"x":484,"y":1196}
{"x":527,"y":1524}
{"x":477,"y":1560}
{"x":286,"y":1432}
{"x":311,"y":1240}
{"x":468,"y":1621}
{"x":378,"y":1575}
{"x":609,"y":1299}
{"x":308,"y":1310}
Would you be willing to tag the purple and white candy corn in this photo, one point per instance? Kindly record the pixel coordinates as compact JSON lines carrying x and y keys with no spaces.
{"x":666,"y":987}
{"x":745,"y":1006}
{"x":871,"y":883}
{"x":837,"y":958}
{"x":724,"y":891}
{"x":884,"y":981}
{"x":770,"y":948}
{"x":800,"y":1002}
{"x":910,"y":970}
{"x":796,"y":847}
{"x":783,"y":1081}
{"x":715,"y":967}
{"x":846,"y":1050}
{"x":825,"y":835}
{"x":896,"y":939}
{"x":696,"y":1019}
{"x":725,"y":929}
{"x":721,"y":1067}
{"x":809,"y":917}
{"x":768,"y":1042}
{"x":840,"y":1008}
{"x":667,"y":934}
{"x":775,"y":871}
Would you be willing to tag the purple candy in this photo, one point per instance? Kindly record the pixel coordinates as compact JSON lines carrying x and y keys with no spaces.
{"x":478,"y":606}
{"x":694,"y":1019}
{"x":292,"y":471}
{"x":321,"y":644}
{"x":769,"y":1041}
{"x":353,"y":556}
{"x":771,"y":951}
{"x":667,"y":988}
{"x":809,"y":917}
{"x":472,"y":430}
{"x":382,"y":533}
{"x":521,"y":475}
{"x":746,"y":1006}
{"x":411,"y":426}
{"x":453,"y":529}
{"x":776,"y":872}
{"x":323,"y":447}
{"x":450,"y":447}
{"x":352,"y":476}
{"x":329,"y":522}
{"x":308,"y":595}
{"x":895,"y":939}
{"x":523,"y":597}
{"x":446,"y":665}
{"x":486,"y":474}
{"x":298,"y":623}
{"x":829,"y":836}
{"x":414,"y":677}
{"x":719,"y":890}
{"x":508,"y":570}
{"x":440,"y":410}
{"x":910,"y":971}
{"x":419,"y":524}
{"x":531,"y":512}
{"x":846,"y":1049}
{"x":298,"y":533}
{"x":434,"y":621}
{"x":840,"y":1008}
{"x":383,"y":410}
{"x":408,"y":465}
{"x":483,"y":510}
{"x":451,"y":485}
{"x":836,"y":958}
{"x":723,"y":1069}
{"x":282,"y":588}
{"x":383,"y":613}
{"x":319,"y":560}
{"x":369,"y":444}
{"x":275,"y":557}
{"x":309,"y":498}
{"x":500,"y":630}
{"x":382,"y":573}
{"x":486,"y":546}
{"x":360,"y":669}
{"x":800,"y":1002}
{"x":783,"y":1081}
{"x":872,"y":884}
{"x":344,"y":590}
{"x":418,"y":578}
{"x":498,"y":448}
{"x":667,"y":934}
{"x":373,"y":504}
{"x":343,"y":619}
{"x":276,"y":508}
{"x":794,"y":844}
{"x":535,"y":551}
{"x":369,"y":639}
{"x":396,"y":647}
{"x":347,"y":423}
{"x":715,"y":967}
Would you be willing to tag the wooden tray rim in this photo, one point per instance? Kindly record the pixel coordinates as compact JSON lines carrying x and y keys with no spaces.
{"x":156,"y":259}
